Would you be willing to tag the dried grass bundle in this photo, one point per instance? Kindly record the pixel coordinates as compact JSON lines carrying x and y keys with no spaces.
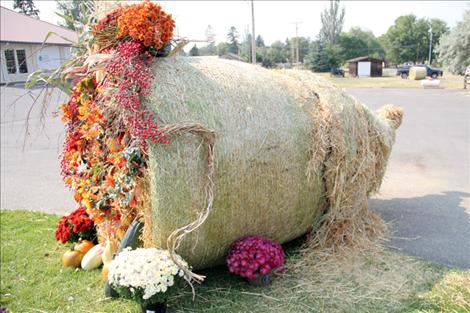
{"x":291,"y":153}
{"x":417,"y":73}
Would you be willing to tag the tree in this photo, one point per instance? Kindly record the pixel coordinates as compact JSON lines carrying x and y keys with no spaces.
{"x":26,"y":7}
{"x":454,"y":47}
{"x":439,"y":28}
{"x":222,"y":48}
{"x":332,"y":20}
{"x":232,"y":37}
{"x":358,"y":42}
{"x":210,"y":48}
{"x":245,"y":48}
{"x":210,"y":34}
{"x":408,"y":39}
{"x":194,"y":52}
{"x":259,"y":42}
{"x":322,"y":57}
{"x":75,"y":11}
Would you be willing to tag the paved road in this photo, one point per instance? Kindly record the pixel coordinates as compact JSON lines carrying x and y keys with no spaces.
{"x":30,"y":174}
{"x":426,"y":192}
{"x":425,"y":196}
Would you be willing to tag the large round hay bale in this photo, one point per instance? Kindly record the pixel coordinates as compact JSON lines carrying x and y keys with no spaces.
{"x":389,"y":72}
{"x":287,"y":144}
{"x":417,"y":73}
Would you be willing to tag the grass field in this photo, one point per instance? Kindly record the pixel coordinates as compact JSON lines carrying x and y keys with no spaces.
{"x":33,"y":280}
{"x":448,"y":81}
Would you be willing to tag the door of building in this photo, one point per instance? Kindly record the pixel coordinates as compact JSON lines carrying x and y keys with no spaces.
{"x":363,"y":68}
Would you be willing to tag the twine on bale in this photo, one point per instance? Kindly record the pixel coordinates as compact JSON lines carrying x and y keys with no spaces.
{"x":177,"y":236}
{"x":293,"y":153}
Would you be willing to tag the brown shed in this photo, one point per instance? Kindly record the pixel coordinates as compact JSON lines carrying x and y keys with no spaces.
{"x":365,"y":66}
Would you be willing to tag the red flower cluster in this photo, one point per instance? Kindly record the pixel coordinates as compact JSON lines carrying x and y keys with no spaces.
{"x":130,"y":68}
{"x":77,"y":225}
{"x":253,"y":256}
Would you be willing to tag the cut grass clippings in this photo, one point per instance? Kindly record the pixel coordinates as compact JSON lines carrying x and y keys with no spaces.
{"x":34,"y":280}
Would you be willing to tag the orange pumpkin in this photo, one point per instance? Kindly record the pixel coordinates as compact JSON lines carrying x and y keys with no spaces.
{"x":72,"y":258}
{"x":83,"y":246}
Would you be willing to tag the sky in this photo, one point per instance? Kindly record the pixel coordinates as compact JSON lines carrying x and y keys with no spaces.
{"x":274,"y":20}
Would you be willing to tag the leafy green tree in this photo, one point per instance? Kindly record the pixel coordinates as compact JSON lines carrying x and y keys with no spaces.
{"x":245,"y":48}
{"x":210,"y":34}
{"x":194,"y":52}
{"x":454,"y":47}
{"x":323,"y":54}
{"x":26,"y":7}
{"x":259,"y":42}
{"x":322,"y":57}
{"x":279,"y":52}
{"x":232,"y":38}
{"x":358,"y":42}
{"x":210,"y":48}
{"x":222,"y":48}
{"x":439,"y":29}
{"x":332,"y":20}
{"x":408,"y":39}
{"x":75,"y":12}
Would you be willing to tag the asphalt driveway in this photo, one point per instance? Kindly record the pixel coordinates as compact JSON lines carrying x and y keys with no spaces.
{"x":425,"y":196}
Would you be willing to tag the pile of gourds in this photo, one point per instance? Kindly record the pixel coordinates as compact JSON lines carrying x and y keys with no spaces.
{"x":89,"y":256}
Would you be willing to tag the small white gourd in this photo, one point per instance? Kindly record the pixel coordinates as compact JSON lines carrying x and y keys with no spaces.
{"x":92,"y":258}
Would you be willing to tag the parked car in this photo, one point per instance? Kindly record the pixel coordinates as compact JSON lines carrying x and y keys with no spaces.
{"x":433,"y":72}
{"x":403,"y":70}
{"x":337,"y":72}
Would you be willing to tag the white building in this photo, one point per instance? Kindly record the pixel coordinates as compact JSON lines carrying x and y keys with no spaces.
{"x":21,"y":46}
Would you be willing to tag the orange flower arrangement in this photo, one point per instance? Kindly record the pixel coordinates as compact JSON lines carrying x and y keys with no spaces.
{"x":146,"y":23}
{"x":97,"y":163}
{"x":104,"y":156}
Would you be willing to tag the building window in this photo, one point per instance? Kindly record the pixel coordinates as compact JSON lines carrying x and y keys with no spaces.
{"x":21,"y":57}
{"x":10,"y":61}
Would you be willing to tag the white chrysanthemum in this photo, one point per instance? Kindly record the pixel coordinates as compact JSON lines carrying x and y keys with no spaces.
{"x":151,"y":269}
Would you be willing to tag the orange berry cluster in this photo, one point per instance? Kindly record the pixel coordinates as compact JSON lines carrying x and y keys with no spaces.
{"x":146,"y":23}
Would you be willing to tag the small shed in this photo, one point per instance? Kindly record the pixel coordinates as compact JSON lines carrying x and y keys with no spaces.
{"x":365,"y":66}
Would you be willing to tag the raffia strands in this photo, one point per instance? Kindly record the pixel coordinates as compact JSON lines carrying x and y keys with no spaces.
{"x":417,"y":73}
{"x":291,"y":152}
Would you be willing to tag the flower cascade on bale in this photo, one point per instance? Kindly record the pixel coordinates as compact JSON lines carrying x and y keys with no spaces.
{"x":251,"y":257}
{"x":146,"y":275}
{"x":108,"y":127}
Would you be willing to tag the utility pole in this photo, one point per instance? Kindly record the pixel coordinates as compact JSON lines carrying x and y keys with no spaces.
{"x":295,"y":48}
{"x":253,"y":40}
{"x":430,"y":47}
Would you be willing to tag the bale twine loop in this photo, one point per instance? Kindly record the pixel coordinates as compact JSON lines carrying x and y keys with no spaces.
{"x":177,"y":236}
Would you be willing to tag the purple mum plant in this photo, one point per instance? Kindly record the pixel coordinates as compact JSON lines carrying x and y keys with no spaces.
{"x":254,"y":256}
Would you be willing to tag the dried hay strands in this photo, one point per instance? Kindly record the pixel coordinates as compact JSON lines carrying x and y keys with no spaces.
{"x":292,"y":151}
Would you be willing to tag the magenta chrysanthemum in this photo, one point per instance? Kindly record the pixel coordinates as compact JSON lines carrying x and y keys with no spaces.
{"x":253,"y":256}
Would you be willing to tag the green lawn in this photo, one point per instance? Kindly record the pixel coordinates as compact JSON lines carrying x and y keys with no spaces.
{"x":33,"y":280}
{"x":448,"y":81}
